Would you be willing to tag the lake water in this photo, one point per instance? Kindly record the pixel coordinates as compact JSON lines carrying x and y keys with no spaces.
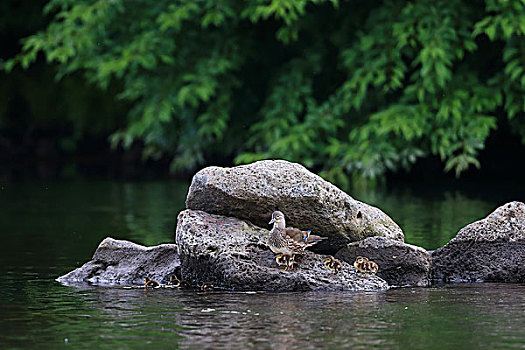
{"x":49,"y":229}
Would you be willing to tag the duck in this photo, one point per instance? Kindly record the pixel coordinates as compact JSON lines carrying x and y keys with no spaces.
{"x":333,"y":264}
{"x":288,"y":241}
{"x":148,"y":282}
{"x":365,"y":266}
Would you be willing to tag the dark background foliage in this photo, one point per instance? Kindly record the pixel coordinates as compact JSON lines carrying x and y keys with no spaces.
{"x":351,"y":89}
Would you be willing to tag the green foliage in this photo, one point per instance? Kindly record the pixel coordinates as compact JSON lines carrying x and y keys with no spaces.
{"x":355,"y":87}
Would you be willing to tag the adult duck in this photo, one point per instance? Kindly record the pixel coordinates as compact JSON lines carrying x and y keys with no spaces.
{"x":289,"y":240}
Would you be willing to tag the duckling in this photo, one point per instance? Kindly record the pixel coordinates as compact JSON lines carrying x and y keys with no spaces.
{"x":333,"y":264}
{"x":285,"y":260}
{"x":282,"y":259}
{"x":174,"y":281}
{"x":363,"y":265}
{"x":185,"y":284}
{"x":207,"y":286}
{"x":148,"y":282}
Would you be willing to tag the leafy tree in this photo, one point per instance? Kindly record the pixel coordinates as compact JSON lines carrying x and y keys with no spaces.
{"x":346,"y":87}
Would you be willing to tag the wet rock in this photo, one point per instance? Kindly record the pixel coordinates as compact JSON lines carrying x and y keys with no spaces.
{"x":124,"y":262}
{"x":491,"y":249}
{"x":400,"y":264}
{"x":233,"y":254}
{"x":252,"y":192}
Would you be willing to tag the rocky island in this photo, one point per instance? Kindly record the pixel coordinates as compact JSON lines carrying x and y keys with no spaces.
{"x":221,"y":240}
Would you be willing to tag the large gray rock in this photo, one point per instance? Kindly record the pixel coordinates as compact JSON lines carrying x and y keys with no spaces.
{"x":400,"y":264}
{"x":491,"y":249}
{"x":252,"y":192}
{"x":233,"y":254}
{"x":123,"y":262}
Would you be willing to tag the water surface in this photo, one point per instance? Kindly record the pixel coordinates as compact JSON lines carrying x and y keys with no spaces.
{"x":49,"y":229}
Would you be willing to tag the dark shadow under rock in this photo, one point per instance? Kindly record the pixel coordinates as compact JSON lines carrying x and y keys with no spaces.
{"x":126,"y":263}
{"x":491,"y":249}
{"x":400,"y":264}
{"x":252,"y":192}
{"x":233,"y":254}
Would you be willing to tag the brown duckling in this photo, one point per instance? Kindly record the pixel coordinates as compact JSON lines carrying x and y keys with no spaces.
{"x":365,"y":266}
{"x":207,"y":286}
{"x":185,"y":284}
{"x":333,"y":264}
{"x":174,"y":281}
{"x":148,"y":282}
{"x":284,"y":260}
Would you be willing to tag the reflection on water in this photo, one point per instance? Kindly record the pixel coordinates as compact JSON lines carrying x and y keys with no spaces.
{"x":49,"y":230}
{"x":60,"y":224}
{"x":461,"y":317}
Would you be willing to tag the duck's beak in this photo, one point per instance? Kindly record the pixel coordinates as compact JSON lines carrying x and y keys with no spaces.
{"x":271,"y":221}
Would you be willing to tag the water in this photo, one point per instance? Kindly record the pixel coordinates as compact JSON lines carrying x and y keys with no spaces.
{"x":47,"y":230}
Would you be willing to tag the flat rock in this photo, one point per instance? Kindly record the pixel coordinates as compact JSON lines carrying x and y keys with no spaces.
{"x":126,"y":263}
{"x":400,"y":264}
{"x":491,"y":249}
{"x":233,"y":254}
{"x":252,"y":192}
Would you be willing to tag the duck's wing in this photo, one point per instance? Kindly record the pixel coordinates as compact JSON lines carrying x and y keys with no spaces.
{"x":293,"y":240}
{"x":294,"y":233}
